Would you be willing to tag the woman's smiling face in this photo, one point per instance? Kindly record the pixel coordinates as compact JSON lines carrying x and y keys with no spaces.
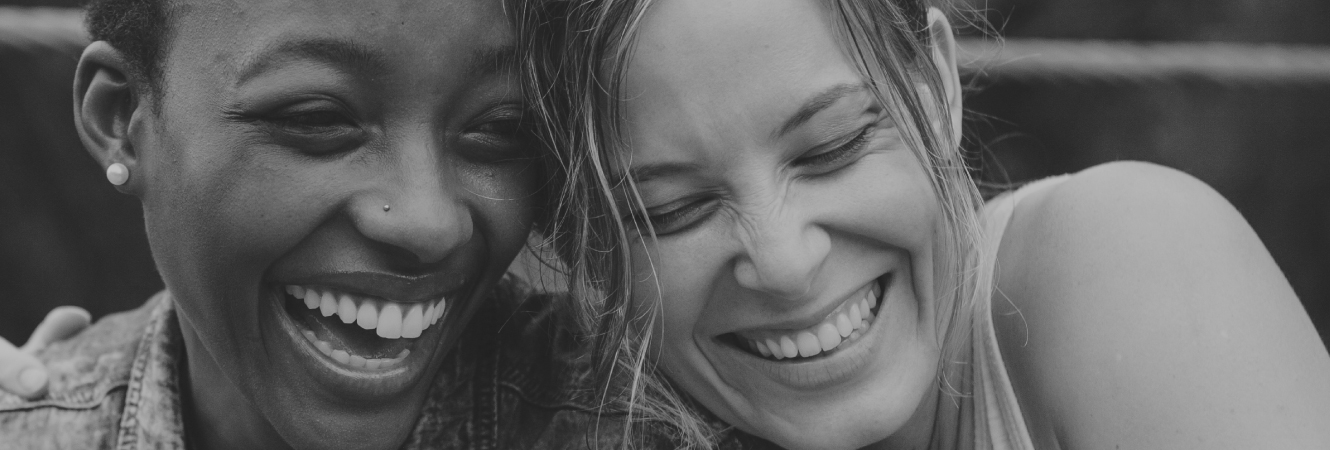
{"x":313,"y":162}
{"x":796,"y":228}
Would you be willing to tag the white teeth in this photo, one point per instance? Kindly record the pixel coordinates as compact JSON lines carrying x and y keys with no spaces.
{"x":341,"y":356}
{"x":412,"y":319}
{"x":775,"y":348}
{"x":367,"y":317}
{"x":828,"y":336}
{"x":346,"y":309}
{"x":328,"y":306}
{"x":787,"y":347}
{"x":762,"y":348}
{"x":843,"y":325}
{"x":311,"y":298}
{"x":808,"y":344}
{"x":323,"y":346}
{"x":414,"y":322}
{"x":390,"y":321}
{"x":359,"y":362}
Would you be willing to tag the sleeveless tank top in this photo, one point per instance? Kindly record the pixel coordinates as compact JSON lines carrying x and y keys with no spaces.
{"x":998,"y":422}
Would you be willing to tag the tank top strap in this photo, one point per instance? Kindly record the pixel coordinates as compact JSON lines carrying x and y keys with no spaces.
{"x":998,"y":421}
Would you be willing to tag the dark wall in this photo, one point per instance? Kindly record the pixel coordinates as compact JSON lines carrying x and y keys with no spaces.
{"x":66,"y":236}
{"x":1264,"y":146}
{"x":1261,"y":139}
{"x":1271,"y":21}
{"x":47,"y":3}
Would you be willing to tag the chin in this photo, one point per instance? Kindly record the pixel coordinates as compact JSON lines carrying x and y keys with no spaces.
{"x":862,"y":384}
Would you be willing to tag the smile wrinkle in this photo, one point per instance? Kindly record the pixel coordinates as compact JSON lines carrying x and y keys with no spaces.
{"x":842,"y":327}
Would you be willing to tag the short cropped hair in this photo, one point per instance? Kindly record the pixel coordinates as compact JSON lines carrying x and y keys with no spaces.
{"x":137,"y":28}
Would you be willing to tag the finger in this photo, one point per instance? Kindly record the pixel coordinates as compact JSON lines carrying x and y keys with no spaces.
{"x":21,"y":373}
{"x":59,"y":324}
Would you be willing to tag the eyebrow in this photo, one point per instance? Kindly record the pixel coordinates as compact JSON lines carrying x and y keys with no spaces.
{"x":361,"y":59}
{"x":816,"y":104}
{"x":335,"y":52}
{"x":492,"y":60}
{"x":645,"y":172}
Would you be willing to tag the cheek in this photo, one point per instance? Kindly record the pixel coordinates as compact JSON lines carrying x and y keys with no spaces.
{"x":507,"y":201}
{"x":671,"y":285}
{"x":899,"y":184}
{"x":219,"y":211}
{"x":891,"y":204}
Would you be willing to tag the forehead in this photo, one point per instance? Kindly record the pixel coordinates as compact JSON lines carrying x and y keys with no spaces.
{"x":712,"y":68}
{"x":232,"y":37}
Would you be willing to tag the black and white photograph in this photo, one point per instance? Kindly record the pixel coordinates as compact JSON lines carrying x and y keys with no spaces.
{"x":664,"y":224}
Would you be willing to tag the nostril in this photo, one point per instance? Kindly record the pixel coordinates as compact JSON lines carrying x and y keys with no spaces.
{"x":781,"y":258}
{"x":421,"y":232}
{"x":746,"y":274}
{"x":791,"y":282}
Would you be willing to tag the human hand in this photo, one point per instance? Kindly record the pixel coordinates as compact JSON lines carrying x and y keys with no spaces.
{"x":20,"y":371}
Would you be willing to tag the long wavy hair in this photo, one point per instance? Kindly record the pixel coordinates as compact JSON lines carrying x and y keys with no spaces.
{"x":578,"y":65}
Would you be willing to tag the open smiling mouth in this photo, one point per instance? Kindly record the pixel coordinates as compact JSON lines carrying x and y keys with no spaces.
{"x":845,"y":325}
{"x":360,"y":332}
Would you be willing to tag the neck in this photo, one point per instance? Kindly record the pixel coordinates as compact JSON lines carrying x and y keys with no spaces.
{"x":217,"y":415}
{"x":943,"y":420}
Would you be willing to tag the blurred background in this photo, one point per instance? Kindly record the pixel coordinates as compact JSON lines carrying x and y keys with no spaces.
{"x":1234,"y":92}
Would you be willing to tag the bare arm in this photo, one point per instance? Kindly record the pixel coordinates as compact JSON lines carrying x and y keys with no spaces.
{"x":1155,"y":318}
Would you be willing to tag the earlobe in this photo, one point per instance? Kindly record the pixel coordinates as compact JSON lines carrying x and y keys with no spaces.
{"x":942,"y":43}
{"x":107,"y":94}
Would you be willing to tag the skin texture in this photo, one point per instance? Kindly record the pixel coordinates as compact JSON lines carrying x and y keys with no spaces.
{"x":1171,"y":328}
{"x":757,"y":230}
{"x":1135,"y":307}
{"x":282,"y":130}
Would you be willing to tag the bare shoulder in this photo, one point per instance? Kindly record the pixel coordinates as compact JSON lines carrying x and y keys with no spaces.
{"x":1136,"y":307}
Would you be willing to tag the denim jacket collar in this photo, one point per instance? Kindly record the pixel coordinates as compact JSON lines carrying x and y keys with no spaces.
{"x":152,"y":418}
{"x":517,"y":378}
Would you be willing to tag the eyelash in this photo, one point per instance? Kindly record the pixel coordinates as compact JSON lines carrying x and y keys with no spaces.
{"x":834,"y":156}
{"x":841,"y":153}
{"x":662,"y":222}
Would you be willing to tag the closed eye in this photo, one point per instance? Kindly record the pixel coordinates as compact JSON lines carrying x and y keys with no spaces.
{"x":311,"y":120}
{"x":314,"y":128}
{"x":678,"y":216}
{"x":839,"y":154}
{"x":498,"y":136}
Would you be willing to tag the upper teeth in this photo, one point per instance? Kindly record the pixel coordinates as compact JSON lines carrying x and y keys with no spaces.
{"x":847,"y":323}
{"x":391,"y":320}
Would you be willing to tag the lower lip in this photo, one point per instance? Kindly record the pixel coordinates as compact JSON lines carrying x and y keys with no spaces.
{"x":356,"y":383}
{"x":820,"y":372}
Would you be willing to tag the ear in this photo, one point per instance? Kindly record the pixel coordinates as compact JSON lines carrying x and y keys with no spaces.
{"x":942,"y":44}
{"x":108,"y":96}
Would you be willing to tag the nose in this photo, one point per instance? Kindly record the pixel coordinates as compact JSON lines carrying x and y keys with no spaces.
{"x":782,"y":254}
{"x":414,"y":211}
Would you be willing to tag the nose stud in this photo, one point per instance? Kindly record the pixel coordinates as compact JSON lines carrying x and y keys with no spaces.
{"x":386,"y":208}
{"x":117,"y":174}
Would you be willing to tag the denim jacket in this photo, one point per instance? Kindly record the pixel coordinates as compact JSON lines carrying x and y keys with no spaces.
{"x":517,"y":379}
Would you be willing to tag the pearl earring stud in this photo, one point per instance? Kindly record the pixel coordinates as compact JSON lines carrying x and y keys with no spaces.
{"x":117,"y":174}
